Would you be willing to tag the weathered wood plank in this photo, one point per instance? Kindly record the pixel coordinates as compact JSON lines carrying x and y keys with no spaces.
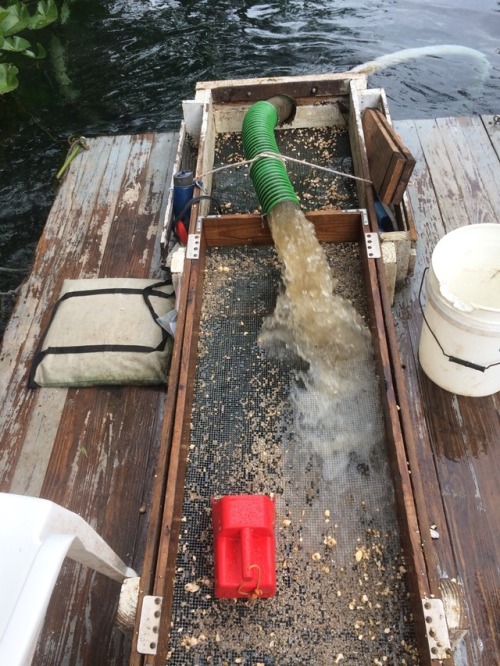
{"x":164,"y":533}
{"x":93,"y":450}
{"x":243,"y":229}
{"x":430,"y":228}
{"x":309,"y":86}
{"x":465,"y":487}
{"x":456,"y":171}
{"x":384,"y":157}
{"x":73,"y":245}
{"x":457,"y":444}
{"x":229,"y":118}
{"x":475,"y":164}
{"x":58,"y":255}
{"x":102,"y":466}
{"x":423,"y":200}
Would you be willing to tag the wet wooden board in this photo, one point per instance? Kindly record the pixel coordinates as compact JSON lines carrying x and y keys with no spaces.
{"x":305,"y":87}
{"x":456,"y":182}
{"x":414,"y":523}
{"x":92,"y":450}
{"x":177,"y":422}
{"x":391,"y":164}
{"x":242,"y":229}
{"x":98,"y":451}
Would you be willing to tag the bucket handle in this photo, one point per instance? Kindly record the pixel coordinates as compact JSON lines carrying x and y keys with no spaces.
{"x":452,"y":359}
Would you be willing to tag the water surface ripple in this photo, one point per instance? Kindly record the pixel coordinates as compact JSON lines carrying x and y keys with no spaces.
{"x":126,"y":66}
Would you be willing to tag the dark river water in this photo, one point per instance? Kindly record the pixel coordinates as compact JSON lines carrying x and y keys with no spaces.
{"x":124,"y":66}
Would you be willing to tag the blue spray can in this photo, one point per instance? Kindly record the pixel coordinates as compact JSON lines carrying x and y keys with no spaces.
{"x":183,"y":193}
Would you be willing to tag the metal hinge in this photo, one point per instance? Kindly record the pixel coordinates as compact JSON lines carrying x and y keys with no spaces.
{"x":149,"y":626}
{"x":436,"y":628}
{"x":372,"y":245}
{"x":193,"y":246}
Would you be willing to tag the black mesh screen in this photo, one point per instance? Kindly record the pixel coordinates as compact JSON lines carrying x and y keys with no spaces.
{"x":316,"y":189}
{"x":341,"y":596}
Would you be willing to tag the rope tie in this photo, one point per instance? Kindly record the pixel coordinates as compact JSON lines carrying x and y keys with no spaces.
{"x":283,"y":159}
{"x":256,"y":593}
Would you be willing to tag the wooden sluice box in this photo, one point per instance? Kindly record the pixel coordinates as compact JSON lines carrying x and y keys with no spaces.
{"x":355,"y":574}
{"x":329,"y":127}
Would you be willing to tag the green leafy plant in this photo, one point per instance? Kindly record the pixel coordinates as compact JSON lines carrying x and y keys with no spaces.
{"x":18,"y":17}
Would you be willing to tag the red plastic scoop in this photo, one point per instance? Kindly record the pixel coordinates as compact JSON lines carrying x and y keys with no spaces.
{"x":244,"y":547}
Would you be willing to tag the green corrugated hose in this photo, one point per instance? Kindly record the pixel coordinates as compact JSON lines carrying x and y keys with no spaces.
{"x":268,"y":175}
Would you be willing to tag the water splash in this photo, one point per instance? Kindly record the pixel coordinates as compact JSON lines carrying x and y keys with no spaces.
{"x":313,"y":324}
{"x":399,"y":57}
{"x":310,"y":319}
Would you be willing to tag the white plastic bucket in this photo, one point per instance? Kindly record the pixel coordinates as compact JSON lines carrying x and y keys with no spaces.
{"x":460,"y":338}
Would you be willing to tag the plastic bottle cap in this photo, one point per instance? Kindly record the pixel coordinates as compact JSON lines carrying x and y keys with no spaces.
{"x":183,"y":179}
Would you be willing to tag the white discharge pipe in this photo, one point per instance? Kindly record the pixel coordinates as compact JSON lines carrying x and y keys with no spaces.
{"x":398,"y":57}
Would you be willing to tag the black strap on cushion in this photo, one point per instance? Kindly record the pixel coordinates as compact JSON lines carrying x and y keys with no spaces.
{"x":147,"y":293}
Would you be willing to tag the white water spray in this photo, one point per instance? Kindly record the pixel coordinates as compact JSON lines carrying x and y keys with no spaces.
{"x":326,"y":332}
{"x":438,"y":50}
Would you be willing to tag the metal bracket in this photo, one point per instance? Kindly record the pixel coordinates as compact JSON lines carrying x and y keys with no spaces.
{"x":372,"y":245}
{"x":149,"y":626}
{"x":193,"y":246}
{"x":362,"y":212}
{"x":436,"y":628}
{"x":199,"y":224}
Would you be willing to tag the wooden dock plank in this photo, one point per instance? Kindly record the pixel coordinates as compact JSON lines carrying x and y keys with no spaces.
{"x":93,"y":450}
{"x":487,"y":145}
{"x":60,"y":254}
{"x":475,"y":165}
{"x":454,"y":184}
{"x":442,"y":174}
{"x":96,"y":450}
{"x":423,"y":199}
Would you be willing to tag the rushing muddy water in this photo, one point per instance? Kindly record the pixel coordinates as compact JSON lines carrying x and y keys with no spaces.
{"x":310,"y":319}
{"x":328,"y":339}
